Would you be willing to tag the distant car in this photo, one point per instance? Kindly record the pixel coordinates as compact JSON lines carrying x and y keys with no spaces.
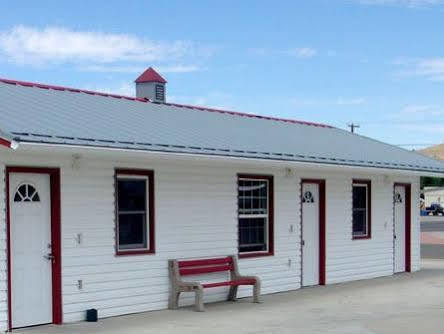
{"x":435,"y":209}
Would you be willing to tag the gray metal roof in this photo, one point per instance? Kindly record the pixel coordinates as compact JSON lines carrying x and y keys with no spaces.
{"x":56,"y":115}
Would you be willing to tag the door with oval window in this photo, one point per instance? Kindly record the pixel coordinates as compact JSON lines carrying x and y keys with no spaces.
{"x":30,"y":249}
{"x":313,"y":232}
{"x":402,"y":227}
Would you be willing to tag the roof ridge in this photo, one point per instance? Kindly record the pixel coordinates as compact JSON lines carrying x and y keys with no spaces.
{"x":145,"y":100}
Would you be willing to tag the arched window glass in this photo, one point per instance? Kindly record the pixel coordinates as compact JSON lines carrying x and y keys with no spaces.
{"x":26,"y":193}
{"x":308,"y":197}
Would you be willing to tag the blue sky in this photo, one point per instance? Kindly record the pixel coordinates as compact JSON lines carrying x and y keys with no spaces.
{"x":379,"y":63}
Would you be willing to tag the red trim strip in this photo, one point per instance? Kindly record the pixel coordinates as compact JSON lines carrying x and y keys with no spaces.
{"x":408,"y":224}
{"x":234,"y":113}
{"x":322,"y":227}
{"x":54,"y":174}
{"x":4,"y":142}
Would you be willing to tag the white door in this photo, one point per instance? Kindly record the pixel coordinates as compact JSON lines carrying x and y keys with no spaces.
{"x":30,"y":236}
{"x":399,"y":233}
{"x":310,"y":234}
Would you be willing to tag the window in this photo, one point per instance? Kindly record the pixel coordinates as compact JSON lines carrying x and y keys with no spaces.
{"x":361,"y":209}
{"x":26,"y":193}
{"x":134,"y":212}
{"x":255,"y":215}
{"x":160,"y":92}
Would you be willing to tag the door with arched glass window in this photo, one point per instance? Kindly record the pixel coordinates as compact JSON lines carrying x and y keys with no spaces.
{"x":30,"y":249}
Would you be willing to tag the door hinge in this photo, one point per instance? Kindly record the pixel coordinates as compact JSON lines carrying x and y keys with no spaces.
{"x":303,"y":242}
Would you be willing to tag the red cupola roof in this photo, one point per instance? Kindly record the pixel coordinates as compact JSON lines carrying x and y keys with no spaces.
{"x":150,"y":75}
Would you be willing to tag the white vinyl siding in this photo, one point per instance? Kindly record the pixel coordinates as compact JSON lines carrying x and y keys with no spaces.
{"x":196,"y":216}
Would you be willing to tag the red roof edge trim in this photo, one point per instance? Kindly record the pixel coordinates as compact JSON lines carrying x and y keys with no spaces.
{"x":4,"y":142}
{"x":68,"y":89}
{"x":234,"y":113}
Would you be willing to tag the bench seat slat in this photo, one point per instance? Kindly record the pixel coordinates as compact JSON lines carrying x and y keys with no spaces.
{"x":204,"y":270}
{"x":205,"y":262}
{"x":229,"y":283}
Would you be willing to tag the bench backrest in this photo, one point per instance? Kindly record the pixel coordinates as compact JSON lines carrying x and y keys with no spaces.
{"x":205,"y":266}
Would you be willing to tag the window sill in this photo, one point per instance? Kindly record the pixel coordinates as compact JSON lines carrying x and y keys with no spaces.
{"x":135,"y":252}
{"x":254,"y":254}
{"x":361,"y":237}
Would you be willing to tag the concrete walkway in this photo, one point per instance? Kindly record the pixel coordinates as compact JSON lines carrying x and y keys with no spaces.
{"x":404,"y":303}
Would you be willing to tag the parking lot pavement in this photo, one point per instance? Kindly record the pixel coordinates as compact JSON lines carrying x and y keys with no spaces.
{"x":407,"y":303}
{"x":432,"y":240}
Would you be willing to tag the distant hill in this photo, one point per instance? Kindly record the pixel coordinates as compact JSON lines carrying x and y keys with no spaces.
{"x":436,"y":151}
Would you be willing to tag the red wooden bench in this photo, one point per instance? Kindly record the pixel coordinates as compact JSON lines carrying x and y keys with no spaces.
{"x":178,"y":269}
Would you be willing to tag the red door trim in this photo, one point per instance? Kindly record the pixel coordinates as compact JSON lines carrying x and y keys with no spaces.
{"x":322,"y":228}
{"x":408,"y":224}
{"x":54,"y":174}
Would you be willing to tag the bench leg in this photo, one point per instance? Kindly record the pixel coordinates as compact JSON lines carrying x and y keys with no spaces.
{"x":173,"y":302}
{"x":199,"y":300}
{"x":257,"y":292}
{"x":232,"y":295}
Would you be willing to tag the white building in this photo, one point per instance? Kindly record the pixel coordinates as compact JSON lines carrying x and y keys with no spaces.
{"x":433,"y":195}
{"x":99,"y":191}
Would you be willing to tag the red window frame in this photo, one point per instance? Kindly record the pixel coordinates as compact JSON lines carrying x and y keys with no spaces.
{"x":270,"y":251}
{"x":150,"y":205}
{"x":368,"y":183}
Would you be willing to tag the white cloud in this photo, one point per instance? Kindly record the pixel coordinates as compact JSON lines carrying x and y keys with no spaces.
{"x":140,"y":69}
{"x":301,"y":52}
{"x":30,"y":45}
{"x":340,"y":101}
{"x":429,"y":68}
{"x":408,"y":3}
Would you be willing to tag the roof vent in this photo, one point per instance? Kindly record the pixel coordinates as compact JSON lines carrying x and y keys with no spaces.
{"x":151,"y":85}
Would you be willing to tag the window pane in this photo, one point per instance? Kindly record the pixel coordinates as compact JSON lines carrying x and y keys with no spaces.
{"x":359,"y":197}
{"x":252,"y":234}
{"x":359,"y":222}
{"x":253,"y":197}
{"x":132,"y":195}
{"x":132,"y":231}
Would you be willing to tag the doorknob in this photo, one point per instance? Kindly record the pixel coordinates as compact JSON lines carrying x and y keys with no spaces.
{"x":49,"y":257}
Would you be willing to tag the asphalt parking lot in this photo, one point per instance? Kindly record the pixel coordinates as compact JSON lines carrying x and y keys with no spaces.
{"x":432,"y":239}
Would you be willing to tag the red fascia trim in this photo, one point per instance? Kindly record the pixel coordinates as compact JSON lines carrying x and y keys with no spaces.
{"x":369,"y":209}
{"x":4,"y":142}
{"x":54,"y":174}
{"x":234,"y":113}
{"x":151,"y":206}
{"x":408,"y":224}
{"x":270,"y":251}
{"x":69,"y":89}
{"x":322,"y":228}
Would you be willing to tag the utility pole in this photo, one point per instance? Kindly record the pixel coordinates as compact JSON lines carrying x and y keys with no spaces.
{"x":353,"y":126}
